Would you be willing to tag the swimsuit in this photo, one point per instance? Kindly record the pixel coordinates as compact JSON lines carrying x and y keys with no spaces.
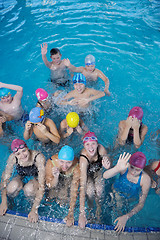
{"x":27,"y":171}
{"x":127,"y":188}
{"x":93,"y":167}
{"x":156,"y":169}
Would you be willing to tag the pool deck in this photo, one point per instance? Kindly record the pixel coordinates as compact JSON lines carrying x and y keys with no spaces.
{"x":14,"y":227}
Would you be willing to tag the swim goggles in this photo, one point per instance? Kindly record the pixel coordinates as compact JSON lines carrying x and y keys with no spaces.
{"x":6,"y":96}
{"x":87,"y":138}
{"x":20,"y":147}
{"x":78,"y":81}
{"x":91,"y":63}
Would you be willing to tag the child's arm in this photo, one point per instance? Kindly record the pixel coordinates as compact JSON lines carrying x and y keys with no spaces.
{"x":18,"y":89}
{"x":63,"y":130}
{"x":44,"y":47}
{"x":106,"y":81}
{"x":52,"y":174}
{"x":71,"y":67}
{"x":5,"y":117}
{"x":124,"y":127}
{"x":121,"y":166}
{"x":28,"y":130}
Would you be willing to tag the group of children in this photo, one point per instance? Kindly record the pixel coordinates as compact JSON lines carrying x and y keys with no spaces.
{"x":63,"y":171}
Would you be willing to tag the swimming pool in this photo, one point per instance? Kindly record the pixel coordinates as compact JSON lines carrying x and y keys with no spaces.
{"x":124,"y":38}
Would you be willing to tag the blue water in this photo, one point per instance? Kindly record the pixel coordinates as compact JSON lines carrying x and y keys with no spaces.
{"x":124,"y":37}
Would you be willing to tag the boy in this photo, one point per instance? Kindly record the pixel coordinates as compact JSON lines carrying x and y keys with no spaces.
{"x":81,"y":95}
{"x":57,"y":66}
{"x":89,"y":71}
{"x":44,"y":128}
{"x":10,"y":107}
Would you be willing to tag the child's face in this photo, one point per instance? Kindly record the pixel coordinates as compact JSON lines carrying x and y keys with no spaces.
{"x":56,"y":59}
{"x":134,"y":171}
{"x":91,"y":147}
{"x":79,"y":87}
{"x":7,"y":99}
{"x":65,"y":165}
{"x":90,"y":68}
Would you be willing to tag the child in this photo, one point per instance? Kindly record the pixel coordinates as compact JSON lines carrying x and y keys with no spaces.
{"x":132,"y":129}
{"x":43,"y":101}
{"x":132,"y":181}
{"x":90,"y":72}
{"x":44,"y":128}
{"x":62,"y":177}
{"x":57,"y":66}
{"x":81,"y":95}
{"x":10,"y":107}
{"x":28,"y":163}
{"x":93,"y":156}
{"x":70,"y":124}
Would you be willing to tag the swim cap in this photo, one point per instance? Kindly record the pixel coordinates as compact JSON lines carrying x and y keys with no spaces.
{"x":138,"y":160}
{"x":17,"y":144}
{"x":41,"y":94}
{"x":79,"y":78}
{"x":36,"y":115}
{"x":4,"y":92}
{"x":66,"y":153}
{"x":136,"y":112}
{"x":89,"y":136}
{"x":72,"y":119}
{"x":89,"y":60}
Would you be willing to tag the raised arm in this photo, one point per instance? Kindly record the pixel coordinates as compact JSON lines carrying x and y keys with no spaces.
{"x":18,"y":89}
{"x":106,"y":81}
{"x":40,"y":162}
{"x":5,"y":179}
{"x":138,"y":137}
{"x":121,"y":166}
{"x":121,"y":221}
{"x":28,"y":130}
{"x":71,"y":67}
{"x":73,"y":195}
{"x":124,"y":127}
{"x":44,"y":47}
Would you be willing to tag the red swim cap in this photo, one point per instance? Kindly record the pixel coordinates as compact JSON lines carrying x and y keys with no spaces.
{"x":138,"y":160}
{"x":136,"y":112}
{"x":17,"y":144}
{"x":89,"y":136}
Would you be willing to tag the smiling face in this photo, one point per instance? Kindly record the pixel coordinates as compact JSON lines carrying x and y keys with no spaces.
{"x":65,"y":165}
{"x":79,"y":87}
{"x":23,"y":154}
{"x":7,"y":99}
{"x":90,"y":68}
{"x":134,"y":171}
{"x":56,"y":58}
{"x":91,"y":147}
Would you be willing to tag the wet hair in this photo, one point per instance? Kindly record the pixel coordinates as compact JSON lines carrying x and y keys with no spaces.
{"x":54,"y":51}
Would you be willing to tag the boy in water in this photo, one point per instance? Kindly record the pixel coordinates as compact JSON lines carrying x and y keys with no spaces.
{"x":81,"y":95}
{"x":44,"y":128}
{"x":57,"y":66}
{"x":10,"y":107}
{"x":89,"y":71}
{"x":71,"y":124}
{"x":62,"y":178}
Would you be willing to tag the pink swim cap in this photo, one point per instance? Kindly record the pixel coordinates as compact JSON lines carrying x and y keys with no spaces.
{"x":41,"y":94}
{"x":138,"y":160}
{"x":17,"y":144}
{"x":136,"y":112}
{"x":89,"y":136}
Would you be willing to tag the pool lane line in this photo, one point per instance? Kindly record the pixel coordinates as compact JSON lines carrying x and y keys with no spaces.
{"x":89,"y":225}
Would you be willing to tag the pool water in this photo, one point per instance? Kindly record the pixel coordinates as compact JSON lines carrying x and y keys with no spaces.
{"x":124,"y":37}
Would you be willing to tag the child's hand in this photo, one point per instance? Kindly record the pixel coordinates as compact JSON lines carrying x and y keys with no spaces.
{"x":73,"y":102}
{"x":3,"y":119}
{"x":66,"y":62}
{"x":122,"y":163}
{"x":105,"y":162}
{"x":135,"y":123}
{"x":129,"y":122}
{"x":28,"y":125}
{"x":107,"y":92}
{"x":44,"y":47}
{"x":55,"y":172}
{"x":70,"y":131}
{"x":83,"y":102}
{"x":42,"y":128}
{"x":79,"y":129}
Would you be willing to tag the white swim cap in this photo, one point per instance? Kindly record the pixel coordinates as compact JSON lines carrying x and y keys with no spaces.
{"x":90,"y":60}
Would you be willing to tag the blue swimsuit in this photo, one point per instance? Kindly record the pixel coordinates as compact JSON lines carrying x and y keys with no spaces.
{"x":126,"y":188}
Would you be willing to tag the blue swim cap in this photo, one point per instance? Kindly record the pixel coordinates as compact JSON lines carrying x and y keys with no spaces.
{"x":89,"y":60}
{"x":36,"y":115}
{"x":4,"y":92}
{"x":79,"y":78}
{"x":66,"y":153}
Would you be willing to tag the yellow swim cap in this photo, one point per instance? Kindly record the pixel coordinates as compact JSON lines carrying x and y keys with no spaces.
{"x":72,"y":119}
